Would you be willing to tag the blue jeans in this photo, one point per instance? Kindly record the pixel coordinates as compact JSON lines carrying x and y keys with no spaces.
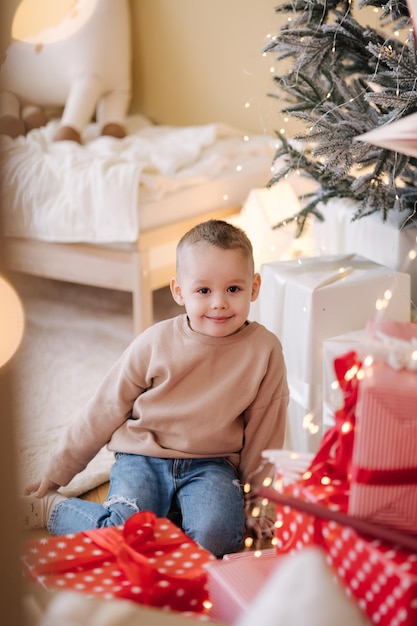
{"x":204,"y":494}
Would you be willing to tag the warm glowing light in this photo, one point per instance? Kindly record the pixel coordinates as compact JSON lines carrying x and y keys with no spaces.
{"x":412,"y":255}
{"x":351,"y":373}
{"x":207,"y":604}
{"x":247,"y":105}
{"x":256,"y":511}
{"x":368,"y":360}
{"x":307,"y":475}
{"x":360,"y":375}
{"x":248,"y":542}
{"x":278,"y":484}
{"x":48,"y":21}
{"x":325,"y":480}
{"x":246,"y":138}
{"x":279,"y":524}
{"x":388,"y":294}
{"x":346,"y":427}
{"x":238,"y":168}
{"x":246,"y":487}
{"x":225,"y":196}
{"x":12,"y":321}
{"x":267,"y":481}
{"x":414,"y":355}
{"x":335,"y":385}
{"x":308,"y":418}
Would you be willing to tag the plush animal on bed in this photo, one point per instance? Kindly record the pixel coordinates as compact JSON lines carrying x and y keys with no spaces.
{"x":80,"y":62}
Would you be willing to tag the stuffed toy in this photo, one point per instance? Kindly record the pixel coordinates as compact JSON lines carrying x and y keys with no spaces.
{"x":79,"y":63}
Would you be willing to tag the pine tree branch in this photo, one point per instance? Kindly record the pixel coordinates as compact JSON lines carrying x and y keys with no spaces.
{"x":344,"y":81}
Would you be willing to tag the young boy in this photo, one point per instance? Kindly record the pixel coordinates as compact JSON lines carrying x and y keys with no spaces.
{"x":187,"y":409}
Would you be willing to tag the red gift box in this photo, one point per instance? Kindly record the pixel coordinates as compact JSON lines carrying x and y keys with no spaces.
{"x":379,"y":574}
{"x":384,"y":462}
{"x":148,"y":560}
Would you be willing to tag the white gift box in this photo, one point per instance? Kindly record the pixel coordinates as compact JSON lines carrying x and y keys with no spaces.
{"x":308,"y":300}
{"x":387,"y":243}
{"x":263,"y":209}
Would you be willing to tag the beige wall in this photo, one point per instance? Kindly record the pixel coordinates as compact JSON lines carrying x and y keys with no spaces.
{"x":198,"y":61}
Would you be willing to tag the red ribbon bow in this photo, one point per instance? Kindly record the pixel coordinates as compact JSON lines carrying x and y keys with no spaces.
{"x":128,"y":545}
{"x":334,"y":456}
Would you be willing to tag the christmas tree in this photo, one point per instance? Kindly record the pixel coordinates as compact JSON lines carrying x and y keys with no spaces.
{"x":341,"y":79}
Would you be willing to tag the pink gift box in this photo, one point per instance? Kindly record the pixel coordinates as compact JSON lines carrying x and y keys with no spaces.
{"x":384,"y":461}
{"x":377,"y":565}
{"x":234,"y":582}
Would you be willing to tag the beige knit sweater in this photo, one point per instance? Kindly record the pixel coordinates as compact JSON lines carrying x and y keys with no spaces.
{"x":175,"y":393}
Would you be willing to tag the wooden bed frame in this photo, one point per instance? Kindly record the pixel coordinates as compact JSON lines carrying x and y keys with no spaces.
{"x":127,"y":269}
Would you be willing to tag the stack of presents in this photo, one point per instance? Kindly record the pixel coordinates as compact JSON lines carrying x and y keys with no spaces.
{"x":350,"y":345}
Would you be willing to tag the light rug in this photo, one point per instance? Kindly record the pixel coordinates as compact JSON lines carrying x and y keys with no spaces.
{"x":72,"y":337}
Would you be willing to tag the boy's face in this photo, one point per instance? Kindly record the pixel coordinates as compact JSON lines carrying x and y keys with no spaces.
{"x":216,"y":287}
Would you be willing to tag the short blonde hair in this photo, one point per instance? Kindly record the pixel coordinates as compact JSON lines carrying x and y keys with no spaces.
{"x":220,"y":234}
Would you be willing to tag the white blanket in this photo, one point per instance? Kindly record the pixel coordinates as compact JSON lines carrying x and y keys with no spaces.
{"x":65,"y":192}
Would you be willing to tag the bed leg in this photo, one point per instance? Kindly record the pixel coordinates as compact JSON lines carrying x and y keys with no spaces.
{"x":142,"y":293}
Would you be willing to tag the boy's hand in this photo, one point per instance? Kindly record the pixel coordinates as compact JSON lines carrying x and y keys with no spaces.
{"x":261,"y":527}
{"x":41,"y":487}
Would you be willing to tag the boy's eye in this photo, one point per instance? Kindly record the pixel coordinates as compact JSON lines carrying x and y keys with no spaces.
{"x":203,"y":290}
{"x":234,"y":289}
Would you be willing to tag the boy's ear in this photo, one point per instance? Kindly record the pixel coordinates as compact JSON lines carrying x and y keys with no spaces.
{"x":176,"y":291}
{"x":256,"y":285}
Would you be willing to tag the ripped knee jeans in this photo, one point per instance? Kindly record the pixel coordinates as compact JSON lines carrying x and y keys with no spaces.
{"x":204,"y":495}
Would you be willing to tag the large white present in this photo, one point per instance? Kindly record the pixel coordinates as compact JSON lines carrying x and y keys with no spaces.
{"x":308,"y":300}
{"x":388,"y":243}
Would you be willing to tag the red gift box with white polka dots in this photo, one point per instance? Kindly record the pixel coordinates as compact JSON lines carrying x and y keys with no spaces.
{"x":148,"y":560}
{"x":381,"y":577}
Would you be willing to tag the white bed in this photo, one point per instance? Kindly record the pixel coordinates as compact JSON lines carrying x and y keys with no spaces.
{"x":110,"y":212}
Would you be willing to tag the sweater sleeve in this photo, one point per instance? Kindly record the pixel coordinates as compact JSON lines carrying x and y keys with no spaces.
{"x":265,"y":422}
{"x":110,"y":406}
